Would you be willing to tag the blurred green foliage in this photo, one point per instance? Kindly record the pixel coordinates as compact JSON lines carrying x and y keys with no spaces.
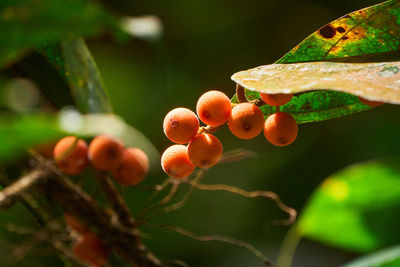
{"x":204,"y":42}
{"x":26,"y":24}
{"x":356,"y":208}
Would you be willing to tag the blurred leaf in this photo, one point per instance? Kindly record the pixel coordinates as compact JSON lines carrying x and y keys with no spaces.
{"x":357,"y":208}
{"x":389,"y":257}
{"x":26,"y":24}
{"x":367,"y":35}
{"x":85,"y":82}
{"x":51,"y":80}
{"x":21,"y":132}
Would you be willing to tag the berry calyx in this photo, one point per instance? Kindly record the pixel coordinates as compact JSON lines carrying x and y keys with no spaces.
{"x":181,"y":125}
{"x":246,"y":121}
{"x":205,"y":150}
{"x":134,"y":167}
{"x":370,"y":103}
{"x":90,"y":250}
{"x":176,"y":163}
{"x":276,"y":99}
{"x":213,"y":108}
{"x":280,"y":129}
{"x":70,"y":155}
{"x":105,"y":153}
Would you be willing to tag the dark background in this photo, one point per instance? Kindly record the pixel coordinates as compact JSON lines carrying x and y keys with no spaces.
{"x":203,"y":44}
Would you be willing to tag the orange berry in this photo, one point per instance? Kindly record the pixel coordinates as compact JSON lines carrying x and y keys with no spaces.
{"x":280,"y":129}
{"x":246,"y":121}
{"x":205,"y":150}
{"x":70,"y":155}
{"x":370,"y":103}
{"x":105,"y":153}
{"x":90,"y":250}
{"x":276,"y":99}
{"x":181,"y":125}
{"x":213,"y":108}
{"x":134,"y":167}
{"x":74,"y":224}
{"x":176,"y":163}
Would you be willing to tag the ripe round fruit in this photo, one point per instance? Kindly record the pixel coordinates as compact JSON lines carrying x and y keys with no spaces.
{"x":176,"y":163}
{"x":213,"y":108}
{"x":90,"y":250}
{"x":246,"y":121}
{"x":280,"y":129}
{"x":74,"y":224}
{"x":205,"y":150}
{"x":70,"y":155}
{"x":181,"y":125}
{"x":134,"y":167}
{"x":276,"y":99}
{"x":370,"y":103}
{"x":105,"y":153}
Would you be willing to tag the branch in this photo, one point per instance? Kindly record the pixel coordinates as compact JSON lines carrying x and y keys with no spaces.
{"x":125,"y":240}
{"x":251,"y":194}
{"x":225,"y":239}
{"x":12,"y":192}
{"x":116,"y":200}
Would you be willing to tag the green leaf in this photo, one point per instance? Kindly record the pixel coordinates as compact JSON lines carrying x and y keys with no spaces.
{"x":357,"y":208}
{"x":373,"y":81}
{"x":26,"y":24}
{"x":22,"y":132}
{"x":372,"y":30}
{"x":368,"y":35}
{"x":389,"y":257}
{"x":84,"y":79}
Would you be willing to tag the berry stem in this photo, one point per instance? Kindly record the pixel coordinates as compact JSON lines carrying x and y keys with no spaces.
{"x":208,"y":129}
{"x":240,"y":93}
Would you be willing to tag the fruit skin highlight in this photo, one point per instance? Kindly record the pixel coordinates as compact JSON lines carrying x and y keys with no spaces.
{"x":105,"y":153}
{"x":276,"y":99}
{"x":370,"y":103}
{"x":176,"y":163}
{"x":280,"y":129}
{"x":134,"y":167}
{"x":205,"y":150}
{"x":213,"y":108}
{"x":90,"y":250}
{"x":246,"y":121}
{"x":70,"y":155}
{"x":181,"y":125}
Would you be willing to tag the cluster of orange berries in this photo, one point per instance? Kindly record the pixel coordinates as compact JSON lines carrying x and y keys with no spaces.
{"x":88,"y":247}
{"x":128,"y":166}
{"x":214,"y":108}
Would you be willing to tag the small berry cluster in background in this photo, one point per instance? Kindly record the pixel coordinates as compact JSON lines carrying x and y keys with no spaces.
{"x":214,"y":108}
{"x":88,"y":246}
{"x":128,"y":166}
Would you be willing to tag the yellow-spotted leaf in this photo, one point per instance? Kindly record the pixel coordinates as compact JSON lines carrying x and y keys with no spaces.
{"x":368,"y":35}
